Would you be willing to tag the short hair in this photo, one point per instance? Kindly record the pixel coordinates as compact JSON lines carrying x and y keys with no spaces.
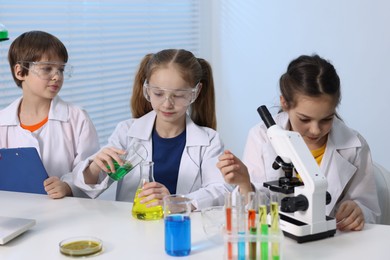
{"x":32,"y":46}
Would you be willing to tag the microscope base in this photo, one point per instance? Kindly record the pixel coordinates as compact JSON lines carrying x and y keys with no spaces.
{"x":301,"y":232}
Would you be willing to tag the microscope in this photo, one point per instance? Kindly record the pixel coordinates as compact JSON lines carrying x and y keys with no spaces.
{"x":302,"y":210}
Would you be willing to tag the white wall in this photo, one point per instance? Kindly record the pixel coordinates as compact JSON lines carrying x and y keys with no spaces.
{"x":253,"y":41}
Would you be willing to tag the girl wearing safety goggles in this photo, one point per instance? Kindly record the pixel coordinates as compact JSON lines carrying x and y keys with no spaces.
{"x":173,"y":108}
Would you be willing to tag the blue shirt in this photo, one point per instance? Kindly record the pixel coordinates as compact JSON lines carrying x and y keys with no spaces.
{"x":167,"y":153}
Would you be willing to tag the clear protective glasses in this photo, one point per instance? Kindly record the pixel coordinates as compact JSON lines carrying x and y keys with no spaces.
{"x":46,"y":70}
{"x":177,"y":97}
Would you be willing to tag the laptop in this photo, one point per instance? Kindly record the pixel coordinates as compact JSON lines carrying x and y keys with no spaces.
{"x":11,"y":227}
{"x":22,"y":170}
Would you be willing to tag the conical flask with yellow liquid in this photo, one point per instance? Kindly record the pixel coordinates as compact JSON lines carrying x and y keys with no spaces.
{"x":140,"y":210}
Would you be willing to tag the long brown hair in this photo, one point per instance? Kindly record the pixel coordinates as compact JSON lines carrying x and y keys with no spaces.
{"x":311,"y":76}
{"x":193,"y":70}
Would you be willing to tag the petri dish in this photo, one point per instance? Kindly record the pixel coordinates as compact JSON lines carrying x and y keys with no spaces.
{"x":81,"y":246}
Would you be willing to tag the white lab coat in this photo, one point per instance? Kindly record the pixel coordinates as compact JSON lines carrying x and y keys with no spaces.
{"x":346,"y":164}
{"x":199,"y":178}
{"x":68,"y":138}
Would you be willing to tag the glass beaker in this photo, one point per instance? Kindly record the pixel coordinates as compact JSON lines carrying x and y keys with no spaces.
{"x":135,"y":154}
{"x":140,"y":210}
{"x":3,"y":33}
{"x":177,"y":209}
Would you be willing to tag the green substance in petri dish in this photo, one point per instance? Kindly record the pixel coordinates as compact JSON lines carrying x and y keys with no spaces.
{"x":120,"y":171}
{"x":81,"y":248}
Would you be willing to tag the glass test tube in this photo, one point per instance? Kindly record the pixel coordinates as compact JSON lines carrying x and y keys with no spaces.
{"x":240,"y":208}
{"x":263,"y":224}
{"x":252,"y":225}
{"x":228,"y":213}
{"x":275,"y":224}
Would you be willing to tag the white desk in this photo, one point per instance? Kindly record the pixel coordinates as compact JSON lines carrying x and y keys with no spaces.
{"x":127,"y":238}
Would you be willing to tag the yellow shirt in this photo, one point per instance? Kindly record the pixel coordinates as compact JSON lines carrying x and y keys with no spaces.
{"x":318,"y":154}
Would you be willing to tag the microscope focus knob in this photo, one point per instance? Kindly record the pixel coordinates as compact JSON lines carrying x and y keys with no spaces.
{"x":328,"y":198}
{"x":292,"y":204}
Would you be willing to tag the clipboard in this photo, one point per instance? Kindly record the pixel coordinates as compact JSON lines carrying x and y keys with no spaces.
{"x":22,"y":170}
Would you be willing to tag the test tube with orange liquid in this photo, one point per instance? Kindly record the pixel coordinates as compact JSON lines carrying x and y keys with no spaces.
{"x":228,"y":213}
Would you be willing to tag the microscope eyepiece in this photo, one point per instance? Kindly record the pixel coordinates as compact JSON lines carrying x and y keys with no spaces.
{"x":265,"y":116}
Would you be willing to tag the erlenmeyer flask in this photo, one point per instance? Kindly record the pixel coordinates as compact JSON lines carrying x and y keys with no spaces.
{"x":140,"y":211}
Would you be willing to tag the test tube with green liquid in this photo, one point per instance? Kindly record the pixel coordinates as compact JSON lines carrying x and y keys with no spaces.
{"x":252,"y":225}
{"x":262,"y":201}
{"x":275,"y":228}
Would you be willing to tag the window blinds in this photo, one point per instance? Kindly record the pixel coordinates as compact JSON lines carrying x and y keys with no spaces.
{"x":106,"y":40}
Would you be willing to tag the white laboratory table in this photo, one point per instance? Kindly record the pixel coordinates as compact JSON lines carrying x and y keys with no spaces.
{"x":127,"y":238}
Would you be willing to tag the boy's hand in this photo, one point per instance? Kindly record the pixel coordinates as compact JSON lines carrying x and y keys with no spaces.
{"x":56,"y":189}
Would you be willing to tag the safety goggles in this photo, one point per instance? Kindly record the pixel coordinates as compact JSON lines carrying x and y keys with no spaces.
{"x":177,"y":97}
{"x":47,"y":70}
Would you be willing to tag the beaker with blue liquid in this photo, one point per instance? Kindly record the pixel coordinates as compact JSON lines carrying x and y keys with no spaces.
{"x":177,"y":209}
